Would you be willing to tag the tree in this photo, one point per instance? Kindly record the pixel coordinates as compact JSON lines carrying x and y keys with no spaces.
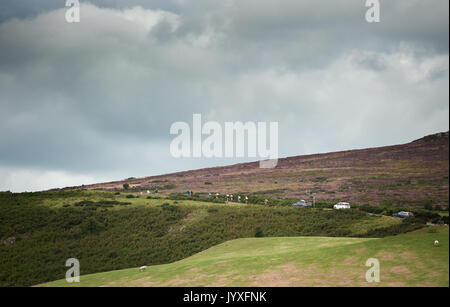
{"x":126,"y":186}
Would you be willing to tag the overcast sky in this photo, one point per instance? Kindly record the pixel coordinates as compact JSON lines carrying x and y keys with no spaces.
{"x":94,"y":101}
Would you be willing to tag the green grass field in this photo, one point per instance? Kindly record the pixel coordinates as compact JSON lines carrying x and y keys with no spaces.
{"x":405,"y":260}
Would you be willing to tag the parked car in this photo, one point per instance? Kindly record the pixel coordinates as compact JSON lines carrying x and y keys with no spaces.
{"x":341,"y":205}
{"x":302,"y":203}
{"x":403,"y":214}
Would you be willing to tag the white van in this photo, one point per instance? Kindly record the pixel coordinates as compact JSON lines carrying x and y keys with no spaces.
{"x":341,"y":205}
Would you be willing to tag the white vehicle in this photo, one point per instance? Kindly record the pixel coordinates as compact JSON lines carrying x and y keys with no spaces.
{"x":341,"y":205}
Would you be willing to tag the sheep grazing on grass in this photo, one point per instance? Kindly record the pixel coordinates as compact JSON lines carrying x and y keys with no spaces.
{"x":142,"y":268}
{"x":436,"y":243}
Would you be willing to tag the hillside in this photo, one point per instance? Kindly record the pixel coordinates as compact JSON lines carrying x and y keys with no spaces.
{"x":408,"y":175}
{"x":110,"y":231}
{"x":405,"y":260}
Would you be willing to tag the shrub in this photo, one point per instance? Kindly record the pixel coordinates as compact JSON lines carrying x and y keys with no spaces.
{"x":259,"y":233}
{"x":91,"y":226}
{"x":320,"y":179}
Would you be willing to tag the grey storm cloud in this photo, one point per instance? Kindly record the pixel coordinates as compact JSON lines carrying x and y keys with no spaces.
{"x":95,"y":100}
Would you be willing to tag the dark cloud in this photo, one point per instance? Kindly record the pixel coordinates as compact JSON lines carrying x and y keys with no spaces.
{"x":95,"y":100}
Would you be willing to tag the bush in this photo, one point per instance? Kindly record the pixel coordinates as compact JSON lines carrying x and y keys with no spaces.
{"x":259,"y":233}
{"x":320,"y":179}
{"x":91,"y":226}
{"x":407,"y":225}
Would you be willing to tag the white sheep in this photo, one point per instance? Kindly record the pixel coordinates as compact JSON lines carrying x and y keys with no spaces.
{"x":143,"y":268}
{"x":436,"y":243}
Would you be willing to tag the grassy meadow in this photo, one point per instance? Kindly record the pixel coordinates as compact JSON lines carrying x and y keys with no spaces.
{"x":405,"y":260}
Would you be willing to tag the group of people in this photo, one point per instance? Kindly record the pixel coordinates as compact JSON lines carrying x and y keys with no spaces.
{"x":229,"y":197}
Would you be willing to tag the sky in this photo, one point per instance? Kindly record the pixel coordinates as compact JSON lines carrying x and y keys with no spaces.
{"x":94,"y":101}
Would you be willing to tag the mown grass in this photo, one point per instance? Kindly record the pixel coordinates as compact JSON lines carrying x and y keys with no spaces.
{"x":405,"y":260}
